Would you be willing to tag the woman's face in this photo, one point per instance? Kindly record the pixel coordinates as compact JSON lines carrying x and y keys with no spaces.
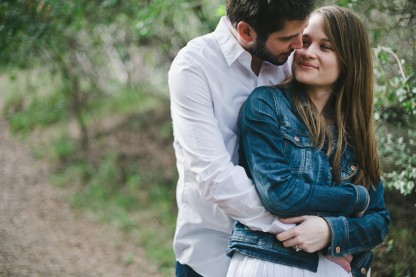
{"x":316,"y":64}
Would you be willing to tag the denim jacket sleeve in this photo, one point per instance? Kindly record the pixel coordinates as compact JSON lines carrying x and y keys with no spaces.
{"x":358,"y":235}
{"x":280,"y":192}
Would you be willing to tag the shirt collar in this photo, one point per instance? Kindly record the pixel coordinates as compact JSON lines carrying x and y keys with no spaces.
{"x":229,"y":45}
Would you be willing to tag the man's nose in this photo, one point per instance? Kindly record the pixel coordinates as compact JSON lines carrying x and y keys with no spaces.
{"x":297,"y":42}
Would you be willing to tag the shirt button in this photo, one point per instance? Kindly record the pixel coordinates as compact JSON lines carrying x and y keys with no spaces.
{"x":338,"y":249}
{"x":297,"y":139}
{"x":353,"y":168}
{"x":363,"y":270}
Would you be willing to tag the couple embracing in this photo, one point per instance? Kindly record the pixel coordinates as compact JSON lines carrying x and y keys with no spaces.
{"x":273,"y":133}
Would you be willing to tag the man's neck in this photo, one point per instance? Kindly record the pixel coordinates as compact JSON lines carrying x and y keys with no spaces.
{"x":256,"y":63}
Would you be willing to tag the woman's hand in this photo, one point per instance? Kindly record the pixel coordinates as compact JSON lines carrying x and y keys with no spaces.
{"x":310,"y":235}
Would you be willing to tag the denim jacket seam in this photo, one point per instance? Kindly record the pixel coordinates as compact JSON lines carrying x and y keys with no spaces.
{"x":361,"y":200}
{"x":367,"y":198}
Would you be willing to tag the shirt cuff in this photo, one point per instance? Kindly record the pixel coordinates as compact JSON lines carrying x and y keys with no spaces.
{"x":278,"y":227}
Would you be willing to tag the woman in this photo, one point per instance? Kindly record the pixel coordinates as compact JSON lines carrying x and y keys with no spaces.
{"x":310,"y":149}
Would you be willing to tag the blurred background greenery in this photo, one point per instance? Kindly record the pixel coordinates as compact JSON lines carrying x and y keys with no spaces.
{"x":85,"y":84}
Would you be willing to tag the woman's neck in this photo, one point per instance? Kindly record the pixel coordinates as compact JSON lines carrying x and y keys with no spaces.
{"x":320,"y":99}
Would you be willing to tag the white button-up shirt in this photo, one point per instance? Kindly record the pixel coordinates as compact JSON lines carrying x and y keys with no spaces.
{"x":209,"y":80}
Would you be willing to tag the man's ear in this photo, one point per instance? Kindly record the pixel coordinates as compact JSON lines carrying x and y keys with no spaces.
{"x":246,"y":32}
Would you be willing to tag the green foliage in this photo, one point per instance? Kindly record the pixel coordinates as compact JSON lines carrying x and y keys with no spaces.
{"x":395,"y":88}
{"x":403,"y":240}
{"x":63,"y":148}
{"x":39,"y":111}
{"x":399,"y":156}
{"x":395,"y":111}
{"x":396,"y":257}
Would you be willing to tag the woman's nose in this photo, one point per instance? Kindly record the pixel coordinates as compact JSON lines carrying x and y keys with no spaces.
{"x":310,"y":52}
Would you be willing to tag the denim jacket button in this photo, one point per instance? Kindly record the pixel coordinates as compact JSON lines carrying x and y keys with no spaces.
{"x":353,"y":168}
{"x":338,"y":249}
{"x":296,"y":138}
{"x":363,"y":270}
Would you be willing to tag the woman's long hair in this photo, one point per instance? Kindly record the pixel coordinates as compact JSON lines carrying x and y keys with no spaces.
{"x":352,"y":96}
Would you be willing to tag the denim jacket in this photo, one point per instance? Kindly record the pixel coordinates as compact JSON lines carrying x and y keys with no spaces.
{"x":293,"y":178}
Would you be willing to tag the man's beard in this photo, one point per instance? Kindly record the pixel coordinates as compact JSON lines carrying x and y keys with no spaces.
{"x":259,"y":50}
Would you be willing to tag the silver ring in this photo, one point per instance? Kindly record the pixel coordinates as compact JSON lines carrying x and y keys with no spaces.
{"x":297,"y":248}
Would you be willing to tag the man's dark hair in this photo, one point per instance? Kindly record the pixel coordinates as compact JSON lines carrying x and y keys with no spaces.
{"x":267,"y":16}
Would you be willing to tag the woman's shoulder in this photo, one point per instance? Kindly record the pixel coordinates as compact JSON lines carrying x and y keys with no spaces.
{"x":270,"y":94}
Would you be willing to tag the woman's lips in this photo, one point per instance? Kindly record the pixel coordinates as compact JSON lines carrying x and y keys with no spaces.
{"x":309,"y":65}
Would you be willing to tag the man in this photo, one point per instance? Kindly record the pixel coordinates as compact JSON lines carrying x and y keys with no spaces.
{"x":208,"y":81}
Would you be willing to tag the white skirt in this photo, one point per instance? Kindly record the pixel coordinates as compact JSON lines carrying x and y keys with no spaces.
{"x":245,"y":266}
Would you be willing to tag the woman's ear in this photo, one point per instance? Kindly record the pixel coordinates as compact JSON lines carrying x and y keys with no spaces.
{"x":246,"y":32}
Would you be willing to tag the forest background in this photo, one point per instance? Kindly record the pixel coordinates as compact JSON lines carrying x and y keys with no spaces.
{"x":85,"y":84}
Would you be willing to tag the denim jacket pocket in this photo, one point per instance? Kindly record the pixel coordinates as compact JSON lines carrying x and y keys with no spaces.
{"x":300,"y":153}
{"x":297,"y":147}
{"x":349,"y":167}
{"x":299,"y":139}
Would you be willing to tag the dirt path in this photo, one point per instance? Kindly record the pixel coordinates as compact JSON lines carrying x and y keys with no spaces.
{"x":41,"y":236}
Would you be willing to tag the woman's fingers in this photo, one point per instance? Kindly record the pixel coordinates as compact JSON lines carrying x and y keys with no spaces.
{"x":311,"y":235}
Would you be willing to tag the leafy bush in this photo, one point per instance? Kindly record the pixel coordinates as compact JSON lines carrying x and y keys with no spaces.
{"x":395,"y":112}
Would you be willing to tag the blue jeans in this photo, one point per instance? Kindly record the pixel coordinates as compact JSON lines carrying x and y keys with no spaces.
{"x":185,"y":271}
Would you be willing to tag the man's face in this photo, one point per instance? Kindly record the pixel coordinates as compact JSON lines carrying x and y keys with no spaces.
{"x":278,"y":46}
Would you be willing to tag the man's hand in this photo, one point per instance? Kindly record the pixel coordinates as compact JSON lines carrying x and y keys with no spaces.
{"x":345,"y":261}
{"x":310,"y":235}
